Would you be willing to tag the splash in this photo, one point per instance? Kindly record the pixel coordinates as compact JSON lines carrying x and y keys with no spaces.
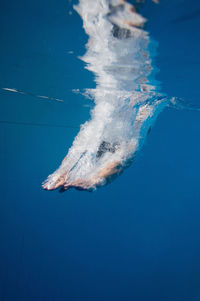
{"x":126,"y":101}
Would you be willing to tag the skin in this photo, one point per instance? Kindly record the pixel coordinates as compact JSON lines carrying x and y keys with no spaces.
{"x":110,"y":169}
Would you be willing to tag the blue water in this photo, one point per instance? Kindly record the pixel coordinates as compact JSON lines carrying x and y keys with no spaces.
{"x":135,"y":239}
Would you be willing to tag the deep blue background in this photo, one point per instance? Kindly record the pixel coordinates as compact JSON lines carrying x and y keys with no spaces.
{"x":136,"y":239}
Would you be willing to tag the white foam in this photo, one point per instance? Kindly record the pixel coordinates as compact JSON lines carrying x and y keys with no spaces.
{"x":125,"y":102}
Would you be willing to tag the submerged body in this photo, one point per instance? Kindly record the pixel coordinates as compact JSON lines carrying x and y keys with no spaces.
{"x":126,"y":104}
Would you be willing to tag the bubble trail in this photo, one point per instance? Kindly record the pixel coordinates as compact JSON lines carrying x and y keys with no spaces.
{"x":126,"y":101}
{"x":32,"y":94}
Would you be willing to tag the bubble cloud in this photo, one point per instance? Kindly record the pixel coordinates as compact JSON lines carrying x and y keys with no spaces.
{"x":126,"y":101}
